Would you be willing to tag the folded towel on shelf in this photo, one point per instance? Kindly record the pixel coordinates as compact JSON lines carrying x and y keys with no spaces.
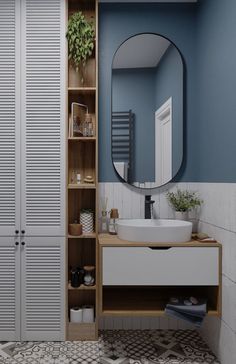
{"x":184,"y":309}
{"x":194,"y":320}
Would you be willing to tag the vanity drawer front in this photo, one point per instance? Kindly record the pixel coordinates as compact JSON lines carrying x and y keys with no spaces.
{"x":151,"y":266}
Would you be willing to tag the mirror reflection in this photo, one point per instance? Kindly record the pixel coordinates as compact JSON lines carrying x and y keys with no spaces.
{"x":147,"y":111}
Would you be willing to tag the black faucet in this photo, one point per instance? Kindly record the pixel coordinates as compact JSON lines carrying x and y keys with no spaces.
{"x":148,"y":206}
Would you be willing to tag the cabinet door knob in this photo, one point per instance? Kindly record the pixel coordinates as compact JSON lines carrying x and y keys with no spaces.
{"x":16,"y":243}
{"x":16,"y":232}
{"x":23,"y":243}
{"x":22,"y":231}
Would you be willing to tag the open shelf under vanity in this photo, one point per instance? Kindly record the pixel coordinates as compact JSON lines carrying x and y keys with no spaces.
{"x":151,"y":301}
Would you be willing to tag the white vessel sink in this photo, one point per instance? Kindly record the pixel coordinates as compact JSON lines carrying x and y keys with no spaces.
{"x":154,"y":231}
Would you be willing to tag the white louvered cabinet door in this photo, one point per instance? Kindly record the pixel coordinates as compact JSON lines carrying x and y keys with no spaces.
{"x":43,"y":118}
{"x":9,"y":117}
{"x":43,"y":289}
{"x":9,"y":289}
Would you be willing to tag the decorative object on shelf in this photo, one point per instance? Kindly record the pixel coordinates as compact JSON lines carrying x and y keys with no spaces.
{"x":75,"y":229}
{"x":77,"y":277}
{"x":78,"y":178}
{"x":90,"y":127}
{"x":73,"y":176}
{"x":89,"y":279}
{"x":80,"y":36}
{"x":88,"y":130}
{"x":182,"y":201}
{"x":76,"y":315}
{"x":88,"y":179}
{"x":82,"y":122}
{"x":88,"y":314}
{"x":87,"y":221}
{"x":75,"y":281}
{"x":76,"y":126}
{"x":114,"y":215}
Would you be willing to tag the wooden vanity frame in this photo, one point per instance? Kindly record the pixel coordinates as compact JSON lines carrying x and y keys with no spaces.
{"x":122,"y":296}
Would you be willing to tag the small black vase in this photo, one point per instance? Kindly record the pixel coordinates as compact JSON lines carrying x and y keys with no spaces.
{"x":75,"y":278}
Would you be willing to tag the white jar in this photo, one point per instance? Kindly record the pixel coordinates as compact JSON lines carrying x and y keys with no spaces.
{"x":87,"y":221}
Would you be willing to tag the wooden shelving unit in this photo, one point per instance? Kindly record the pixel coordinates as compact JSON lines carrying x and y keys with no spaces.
{"x":82,"y":157}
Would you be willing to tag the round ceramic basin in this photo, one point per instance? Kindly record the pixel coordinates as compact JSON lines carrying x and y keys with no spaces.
{"x":154,"y":231}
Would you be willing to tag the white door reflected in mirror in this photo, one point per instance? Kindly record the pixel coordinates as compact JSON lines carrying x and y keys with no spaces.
{"x":163,"y":143}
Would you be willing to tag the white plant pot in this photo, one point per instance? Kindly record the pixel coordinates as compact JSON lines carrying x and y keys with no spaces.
{"x":181,"y":215}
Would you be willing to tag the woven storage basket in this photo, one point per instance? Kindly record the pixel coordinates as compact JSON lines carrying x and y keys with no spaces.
{"x":87,"y":221}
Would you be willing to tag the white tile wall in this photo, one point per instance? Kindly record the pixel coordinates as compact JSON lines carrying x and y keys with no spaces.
{"x":217,"y":217}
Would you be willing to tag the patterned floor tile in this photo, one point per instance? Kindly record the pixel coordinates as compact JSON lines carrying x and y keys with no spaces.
{"x":114,"y":347}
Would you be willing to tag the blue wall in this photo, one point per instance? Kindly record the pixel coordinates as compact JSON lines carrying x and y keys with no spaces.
{"x":216,"y":100}
{"x":135,"y":89}
{"x":205,"y":33}
{"x":169,"y":83}
{"x":117,"y":23}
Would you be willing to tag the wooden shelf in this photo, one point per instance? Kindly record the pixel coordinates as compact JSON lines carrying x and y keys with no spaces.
{"x":82,"y":139}
{"x":82,"y":89}
{"x":83,"y":236}
{"x":151,"y":301}
{"x":82,"y":287}
{"x":81,"y":186}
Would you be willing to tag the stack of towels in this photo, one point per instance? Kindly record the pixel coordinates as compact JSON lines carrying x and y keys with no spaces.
{"x":192,"y":310}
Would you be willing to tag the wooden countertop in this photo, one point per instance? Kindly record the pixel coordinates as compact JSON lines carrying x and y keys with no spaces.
{"x":113,"y":240}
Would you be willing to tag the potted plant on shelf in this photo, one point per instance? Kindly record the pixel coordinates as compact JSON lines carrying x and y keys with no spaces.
{"x":80,"y":36}
{"x":182,"y":202}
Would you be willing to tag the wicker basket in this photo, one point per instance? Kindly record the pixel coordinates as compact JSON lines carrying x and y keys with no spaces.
{"x":87,"y":221}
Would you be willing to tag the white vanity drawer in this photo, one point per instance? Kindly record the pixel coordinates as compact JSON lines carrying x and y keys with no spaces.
{"x":184,"y":266}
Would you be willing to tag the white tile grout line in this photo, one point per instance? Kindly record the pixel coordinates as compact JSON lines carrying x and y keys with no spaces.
{"x":233,"y":331}
{"x":230,"y":279}
{"x":217,"y":226}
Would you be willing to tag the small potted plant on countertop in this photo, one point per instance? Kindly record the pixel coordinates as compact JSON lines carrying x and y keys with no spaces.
{"x":182,"y":201}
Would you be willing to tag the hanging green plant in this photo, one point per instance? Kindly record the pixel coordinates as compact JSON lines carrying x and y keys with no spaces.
{"x":80,"y":35}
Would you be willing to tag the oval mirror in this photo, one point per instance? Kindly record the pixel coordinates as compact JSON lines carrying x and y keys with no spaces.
{"x":147,"y":111}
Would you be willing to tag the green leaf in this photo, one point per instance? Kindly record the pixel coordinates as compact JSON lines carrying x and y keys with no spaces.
{"x":80,"y":36}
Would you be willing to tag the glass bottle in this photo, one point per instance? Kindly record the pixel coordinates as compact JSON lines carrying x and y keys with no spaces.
{"x":104,"y":222}
{"x":88,"y":126}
